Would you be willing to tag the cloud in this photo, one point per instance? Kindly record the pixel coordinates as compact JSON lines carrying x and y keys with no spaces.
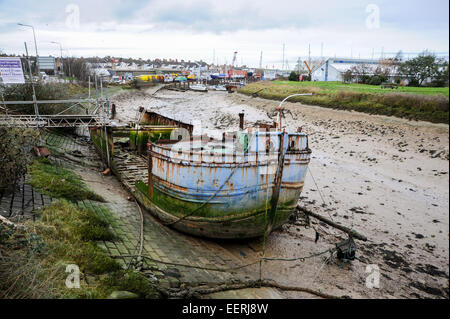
{"x":191,"y":29}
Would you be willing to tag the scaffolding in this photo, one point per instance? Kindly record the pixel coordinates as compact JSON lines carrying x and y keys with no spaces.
{"x":96,"y":114}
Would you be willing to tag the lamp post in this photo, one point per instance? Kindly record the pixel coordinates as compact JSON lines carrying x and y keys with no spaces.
{"x":35,"y":45}
{"x":279,"y":108}
{"x":60,"y":47}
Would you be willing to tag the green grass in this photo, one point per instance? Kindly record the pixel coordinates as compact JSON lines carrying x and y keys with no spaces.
{"x":35,"y":256}
{"x":58,"y":182}
{"x":412,"y":103}
{"x":70,"y":233}
{"x":365,"y":88}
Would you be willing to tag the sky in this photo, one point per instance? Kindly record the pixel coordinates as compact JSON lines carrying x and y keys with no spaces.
{"x":214,"y":29}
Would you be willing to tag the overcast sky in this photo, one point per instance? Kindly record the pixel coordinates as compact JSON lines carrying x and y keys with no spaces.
{"x":194,"y":29}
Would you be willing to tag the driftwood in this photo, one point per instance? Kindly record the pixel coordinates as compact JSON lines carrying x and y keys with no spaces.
{"x":347,"y":230}
{"x":199,"y":292}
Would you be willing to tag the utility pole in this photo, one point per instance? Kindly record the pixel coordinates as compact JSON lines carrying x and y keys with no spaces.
{"x":309,"y":54}
{"x":36,"y":110}
{"x":282,"y":67}
{"x":60,"y":47}
{"x":35,"y":46}
{"x":260,"y":60}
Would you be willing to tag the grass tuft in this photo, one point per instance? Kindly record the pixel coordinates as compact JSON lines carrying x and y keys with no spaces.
{"x":70,"y":233}
{"x":130,"y":281}
{"x":58,"y":182}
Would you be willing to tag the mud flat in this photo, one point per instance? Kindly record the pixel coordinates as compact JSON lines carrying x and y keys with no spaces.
{"x":386,"y":177}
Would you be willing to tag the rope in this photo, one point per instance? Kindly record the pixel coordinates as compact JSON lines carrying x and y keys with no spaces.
{"x":141,"y":244}
{"x":320,"y":193}
{"x":141,"y":236}
{"x":228,"y":269}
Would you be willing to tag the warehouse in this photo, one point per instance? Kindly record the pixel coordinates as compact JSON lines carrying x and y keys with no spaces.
{"x":333,"y":68}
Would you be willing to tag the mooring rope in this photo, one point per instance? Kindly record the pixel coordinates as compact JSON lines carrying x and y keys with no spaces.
{"x":231,"y":268}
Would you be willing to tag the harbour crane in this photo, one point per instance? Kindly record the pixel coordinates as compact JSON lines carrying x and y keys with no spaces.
{"x":230,"y":72}
{"x":309,"y":69}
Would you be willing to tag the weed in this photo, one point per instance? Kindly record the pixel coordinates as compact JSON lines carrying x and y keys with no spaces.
{"x":58,"y":182}
{"x":130,"y":281}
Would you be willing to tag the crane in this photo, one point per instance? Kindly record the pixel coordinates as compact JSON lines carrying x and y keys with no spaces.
{"x":230,"y":72}
{"x":309,"y":70}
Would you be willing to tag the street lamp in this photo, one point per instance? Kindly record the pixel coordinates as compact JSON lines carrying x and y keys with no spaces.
{"x":60,"y":47}
{"x":35,"y":44}
{"x":279,"y":108}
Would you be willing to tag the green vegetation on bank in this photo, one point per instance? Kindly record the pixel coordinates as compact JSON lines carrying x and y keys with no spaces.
{"x":334,"y":86}
{"x":36,"y":254}
{"x":57,"y":182}
{"x":415,"y":103}
{"x":70,"y":233}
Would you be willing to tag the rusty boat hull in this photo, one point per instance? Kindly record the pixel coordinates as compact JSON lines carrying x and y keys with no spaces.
{"x":226,"y":189}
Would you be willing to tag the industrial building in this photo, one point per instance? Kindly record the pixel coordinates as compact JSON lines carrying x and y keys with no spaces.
{"x":334,"y":68}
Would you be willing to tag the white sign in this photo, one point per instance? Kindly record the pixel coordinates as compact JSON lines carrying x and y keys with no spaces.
{"x":11,"y":70}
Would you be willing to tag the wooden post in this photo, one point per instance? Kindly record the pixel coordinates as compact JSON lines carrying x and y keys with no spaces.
{"x":241,"y":121}
{"x":347,"y":230}
{"x":277,"y":183}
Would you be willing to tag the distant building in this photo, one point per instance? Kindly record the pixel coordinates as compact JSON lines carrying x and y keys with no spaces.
{"x":334,"y":68}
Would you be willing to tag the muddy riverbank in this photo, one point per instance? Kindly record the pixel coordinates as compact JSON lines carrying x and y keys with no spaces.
{"x":385,"y":177}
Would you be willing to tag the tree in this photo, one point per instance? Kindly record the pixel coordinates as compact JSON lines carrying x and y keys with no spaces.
{"x":77,"y":67}
{"x":441,"y":78}
{"x":348,"y":76}
{"x":361,"y":73}
{"x":421,"y":68}
{"x":293,"y":76}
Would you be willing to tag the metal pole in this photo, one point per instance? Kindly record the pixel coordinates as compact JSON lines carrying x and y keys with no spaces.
{"x":62,"y":62}
{"x":279,"y":107}
{"x":101,"y":88}
{"x":36,"y":110}
{"x":37,"y":55}
{"x":60,"y":48}
{"x":35,"y":46}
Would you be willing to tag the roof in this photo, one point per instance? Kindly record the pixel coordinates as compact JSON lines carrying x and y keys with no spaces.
{"x":344,"y":64}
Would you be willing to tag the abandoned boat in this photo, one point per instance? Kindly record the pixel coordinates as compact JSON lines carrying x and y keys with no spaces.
{"x":198,"y":87}
{"x":244,"y":185}
{"x":220,"y":88}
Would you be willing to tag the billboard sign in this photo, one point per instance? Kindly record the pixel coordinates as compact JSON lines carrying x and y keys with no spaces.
{"x":11,"y":70}
{"x":47,"y":63}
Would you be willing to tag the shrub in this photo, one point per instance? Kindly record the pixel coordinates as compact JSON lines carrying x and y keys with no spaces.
{"x":44,"y":91}
{"x":293,"y":76}
{"x":15,"y":156}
